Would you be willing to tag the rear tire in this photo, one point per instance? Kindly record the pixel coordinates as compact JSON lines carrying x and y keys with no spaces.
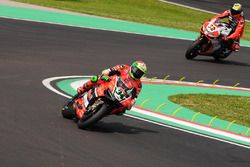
{"x":217,"y":58}
{"x":193,"y":49}
{"x":99,"y":114}
{"x":221,"y":57}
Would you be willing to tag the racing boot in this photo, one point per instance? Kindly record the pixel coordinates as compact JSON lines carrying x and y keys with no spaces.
{"x":235,"y":47}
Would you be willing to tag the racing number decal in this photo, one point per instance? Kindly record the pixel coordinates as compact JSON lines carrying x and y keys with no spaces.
{"x":211,"y":27}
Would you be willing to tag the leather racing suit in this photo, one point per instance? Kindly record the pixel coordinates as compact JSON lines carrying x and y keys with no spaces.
{"x":237,"y":24}
{"x":122,"y":71}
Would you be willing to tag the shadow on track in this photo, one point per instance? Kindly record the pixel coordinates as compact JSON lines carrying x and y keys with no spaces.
{"x":224,"y":62}
{"x":118,"y":128}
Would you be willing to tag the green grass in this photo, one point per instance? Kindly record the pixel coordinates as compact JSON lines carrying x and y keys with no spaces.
{"x":143,"y":11}
{"x":225,"y":107}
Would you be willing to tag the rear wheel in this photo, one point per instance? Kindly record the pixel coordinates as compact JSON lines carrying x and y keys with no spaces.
{"x":87,"y":120}
{"x":221,"y":56}
{"x":193,"y":49}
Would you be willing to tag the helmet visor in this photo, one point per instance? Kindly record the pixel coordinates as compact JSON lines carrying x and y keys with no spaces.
{"x":137,"y":73}
{"x":235,"y":12}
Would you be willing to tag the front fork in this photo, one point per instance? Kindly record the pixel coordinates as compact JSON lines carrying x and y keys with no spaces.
{"x":204,"y":43}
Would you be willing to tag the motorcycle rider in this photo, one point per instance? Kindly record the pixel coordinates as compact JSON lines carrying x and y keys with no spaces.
{"x":237,"y":22}
{"x":135,"y":72}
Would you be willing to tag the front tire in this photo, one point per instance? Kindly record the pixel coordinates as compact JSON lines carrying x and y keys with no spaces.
{"x":67,"y":112}
{"x":193,"y":49}
{"x":99,"y":114}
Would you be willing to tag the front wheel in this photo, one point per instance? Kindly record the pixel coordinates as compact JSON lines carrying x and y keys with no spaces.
{"x":68,"y":112}
{"x":193,"y":49}
{"x":87,"y":121}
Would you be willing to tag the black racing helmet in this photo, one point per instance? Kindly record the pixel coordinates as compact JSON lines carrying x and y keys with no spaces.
{"x":236,"y":9}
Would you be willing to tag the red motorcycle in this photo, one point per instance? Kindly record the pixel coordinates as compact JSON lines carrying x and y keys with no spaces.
{"x":210,"y":42}
{"x":102,"y":100}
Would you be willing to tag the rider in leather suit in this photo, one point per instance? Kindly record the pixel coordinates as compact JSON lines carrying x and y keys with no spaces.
{"x":135,"y":72}
{"x":237,"y":22}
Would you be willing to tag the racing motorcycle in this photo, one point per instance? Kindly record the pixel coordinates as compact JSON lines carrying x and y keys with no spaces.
{"x":98,"y":102}
{"x":210,"y":42}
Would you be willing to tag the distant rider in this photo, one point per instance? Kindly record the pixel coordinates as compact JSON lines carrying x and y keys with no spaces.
{"x":135,"y":72}
{"x":237,"y":22}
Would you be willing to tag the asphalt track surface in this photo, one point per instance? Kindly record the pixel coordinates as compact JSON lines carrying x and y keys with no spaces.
{"x":33,"y":132}
{"x":217,"y":6}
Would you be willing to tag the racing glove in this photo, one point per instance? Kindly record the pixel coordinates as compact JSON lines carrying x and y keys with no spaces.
{"x":105,"y":78}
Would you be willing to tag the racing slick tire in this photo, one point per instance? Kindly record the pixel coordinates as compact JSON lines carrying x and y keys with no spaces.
{"x":68,"y":112}
{"x":87,"y":121}
{"x":192,"y":50}
{"x":220,"y":57}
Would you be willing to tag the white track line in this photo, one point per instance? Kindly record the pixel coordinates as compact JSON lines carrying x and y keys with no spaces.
{"x":46,"y":83}
{"x":191,"y":132}
{"x":194,"y":84}
{"x":190,"y":7}
{"x":103,"y":29}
